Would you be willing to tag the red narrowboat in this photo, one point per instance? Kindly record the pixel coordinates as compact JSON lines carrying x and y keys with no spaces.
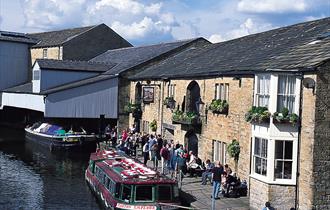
{"x":120,"y":182}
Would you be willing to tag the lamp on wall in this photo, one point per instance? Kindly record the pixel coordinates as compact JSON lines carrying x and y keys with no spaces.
{"x":202,"y":112}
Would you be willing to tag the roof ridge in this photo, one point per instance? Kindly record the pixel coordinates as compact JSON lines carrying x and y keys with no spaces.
{"x":150,"y":45}
{"x":66,"y":29}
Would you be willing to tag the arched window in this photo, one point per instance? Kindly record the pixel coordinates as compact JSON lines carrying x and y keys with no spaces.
{"x":192,"y":97}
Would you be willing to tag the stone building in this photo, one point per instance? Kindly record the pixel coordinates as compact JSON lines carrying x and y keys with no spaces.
{"x":269,"y":91}
{"x":82,"y":43}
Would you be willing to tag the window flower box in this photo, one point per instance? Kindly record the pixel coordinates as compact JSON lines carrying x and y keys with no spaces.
{"x":187,"y":118}
{"x":258,"y":115}
{"x":285,"y":117}
{"x":219,"y":106}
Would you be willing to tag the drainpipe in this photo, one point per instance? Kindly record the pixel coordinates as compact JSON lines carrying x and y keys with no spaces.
{"x":296,"y":200}
{"x":162,"y":107}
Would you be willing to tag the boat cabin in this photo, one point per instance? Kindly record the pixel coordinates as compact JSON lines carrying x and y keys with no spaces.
{"x":124,"y":183}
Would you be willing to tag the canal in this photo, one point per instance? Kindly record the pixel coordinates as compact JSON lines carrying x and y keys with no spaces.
{"x":31,"y":177}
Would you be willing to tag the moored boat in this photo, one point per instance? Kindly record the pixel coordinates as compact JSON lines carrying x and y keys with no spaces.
{"x":55,"y":137}
{"x":120,"y":182}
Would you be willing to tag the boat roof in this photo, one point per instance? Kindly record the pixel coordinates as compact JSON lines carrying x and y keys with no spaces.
{"x":121,"y":168}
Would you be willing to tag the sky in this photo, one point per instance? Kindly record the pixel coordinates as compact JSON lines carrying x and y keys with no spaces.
{"x":144,"y":22}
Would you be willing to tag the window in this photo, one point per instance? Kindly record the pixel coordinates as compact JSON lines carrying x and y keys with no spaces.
{"x":164,"y":193}
{"x":60,"y":53}
{"x":145,"y":126}
{"x":44,"y":53}
{"x":260,"y":156}
{"x":219,"y":151}
{"x":222,"y":91}
{"x":286,"y":93}
{"x":36,"y":75}
{"x":283,"y":159}
{"x":171,"y":90}
{"x":262,"y":92}
{"x":126,"y":193}
{"x":143,"y":193}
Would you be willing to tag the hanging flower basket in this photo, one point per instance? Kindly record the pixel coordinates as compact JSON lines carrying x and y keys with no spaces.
{"x":234,"y":149}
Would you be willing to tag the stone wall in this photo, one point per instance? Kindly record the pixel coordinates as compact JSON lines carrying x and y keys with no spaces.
{"x":306,"y":179}
{"x":52,"y":53}
{"x":220,"y":127}
{"x":321,"y":157}
{"x":281,"y":197}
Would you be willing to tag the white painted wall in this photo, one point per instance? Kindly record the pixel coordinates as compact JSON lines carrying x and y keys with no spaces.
{"x":26,"y":101}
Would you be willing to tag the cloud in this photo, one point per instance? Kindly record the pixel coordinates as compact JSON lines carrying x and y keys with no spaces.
{"x":272,"y":6}
{"x":249,"y":26}
{"x":132,"y":19}
{"x":215,"y":38}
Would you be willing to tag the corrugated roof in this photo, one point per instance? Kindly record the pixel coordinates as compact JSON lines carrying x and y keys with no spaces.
{"x":16,"y":37}
{"x":292,"y":47}
{"x":56,"y":38}
{"x":69,"y":65}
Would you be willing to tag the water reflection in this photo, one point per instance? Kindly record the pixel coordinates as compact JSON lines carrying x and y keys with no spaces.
{"x":31,"y":177}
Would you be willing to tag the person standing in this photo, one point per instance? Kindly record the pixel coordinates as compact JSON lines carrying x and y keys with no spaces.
{"x":145,"y":151}
{"x":217,"y":172}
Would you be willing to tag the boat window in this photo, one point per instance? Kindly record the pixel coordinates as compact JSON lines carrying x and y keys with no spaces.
{"x":117,"y":190}
{"x":112,"y":187}
{"x":126,"y":193}
{"x":143,"y":193}
{"x":107,"y":183}
{"x":92,"y":166}
{"x":176,"y":191}
{"x":164,"y":193}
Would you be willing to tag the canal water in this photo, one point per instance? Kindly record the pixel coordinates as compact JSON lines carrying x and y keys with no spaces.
{"x":32,"y":177}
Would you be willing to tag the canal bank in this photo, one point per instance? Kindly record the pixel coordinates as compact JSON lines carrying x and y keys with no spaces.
{"x":33,"y":178}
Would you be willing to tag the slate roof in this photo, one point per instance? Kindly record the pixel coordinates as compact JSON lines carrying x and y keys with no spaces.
{"x":300,"y":46}
{"x":129,"y":57}
{"x":126,"y":59}
{"x":24,"y":88}
{"x":56,"y":38}
{"x":69,"y":65}
{"x":16,"y":37}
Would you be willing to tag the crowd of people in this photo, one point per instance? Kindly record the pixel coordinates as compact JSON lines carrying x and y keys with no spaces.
{"x":174,"y":159}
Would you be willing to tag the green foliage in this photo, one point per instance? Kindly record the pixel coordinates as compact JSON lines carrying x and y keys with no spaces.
{"x":184,"y":117}
{"x":234,"y":149}
{"x":167,"y":100}
{"x":285,"y":117}
{"x":153,"y":125}
{"x":131,"y":108}
{"x":257,"y":114}
{"x":219,"y":106}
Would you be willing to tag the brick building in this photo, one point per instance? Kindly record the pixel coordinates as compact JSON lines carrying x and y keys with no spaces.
{"x":82,"y":43}
{"x":203,"y":98}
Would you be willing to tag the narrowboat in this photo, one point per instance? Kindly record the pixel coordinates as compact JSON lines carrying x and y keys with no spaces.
{"x":55,"y":137}
{"x":120,"y":182}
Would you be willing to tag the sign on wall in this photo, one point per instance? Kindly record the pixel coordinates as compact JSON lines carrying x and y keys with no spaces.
{"x":148,"y":94}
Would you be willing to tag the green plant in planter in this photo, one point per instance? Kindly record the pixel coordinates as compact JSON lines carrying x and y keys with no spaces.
{"x":218,"y":105}
{"x":130,"y":108}
{"x":168,"y":99}
{"x":257,"y":114}
{"x":177,"y":115}
{"x":234,"y":149}
{"x":284,"y":116}
{"x":189,"y":117}
{"x":153,"y":125}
